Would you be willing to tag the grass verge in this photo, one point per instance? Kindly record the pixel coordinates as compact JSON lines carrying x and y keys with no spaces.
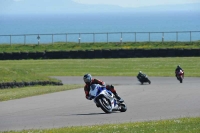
{"x":30,"y":70}
{"x":34,"y":70}
{"x":181,"y":125}
{"x":60,"y":46}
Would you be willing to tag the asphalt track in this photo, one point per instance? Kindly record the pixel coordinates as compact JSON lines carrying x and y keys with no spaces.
{"x":165,"y":98}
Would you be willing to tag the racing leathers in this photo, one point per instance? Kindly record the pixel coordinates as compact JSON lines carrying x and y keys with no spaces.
{"x":140,"y":76}
{"x":96,"y":81}
{"x":177,"y":70}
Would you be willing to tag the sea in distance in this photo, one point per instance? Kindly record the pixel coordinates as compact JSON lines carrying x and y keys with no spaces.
{"x":111,"y":27}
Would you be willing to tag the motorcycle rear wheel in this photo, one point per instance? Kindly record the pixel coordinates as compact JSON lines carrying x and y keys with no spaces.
{"x":123,"y":108}
{"x":149,"y":81}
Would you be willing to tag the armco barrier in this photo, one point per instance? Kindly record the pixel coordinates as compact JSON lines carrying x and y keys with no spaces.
{"x":88,"y":54}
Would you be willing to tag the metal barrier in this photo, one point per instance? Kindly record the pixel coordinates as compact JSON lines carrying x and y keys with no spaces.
{"x":177,"y":36}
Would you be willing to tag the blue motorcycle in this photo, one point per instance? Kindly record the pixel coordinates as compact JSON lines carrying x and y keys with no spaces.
{"x":105,"y":99}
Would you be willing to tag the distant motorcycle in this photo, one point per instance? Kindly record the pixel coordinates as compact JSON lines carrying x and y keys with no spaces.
{"x":144,"y":79}
{"x":105,"y":99}
{"x":180,"y":76}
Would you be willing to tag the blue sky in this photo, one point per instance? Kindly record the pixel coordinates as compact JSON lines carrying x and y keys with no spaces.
{"x":92,"y":6}
{"x":136,"y":3}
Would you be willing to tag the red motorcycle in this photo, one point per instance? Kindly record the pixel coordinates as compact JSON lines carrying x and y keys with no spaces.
{"x":180,"y":75}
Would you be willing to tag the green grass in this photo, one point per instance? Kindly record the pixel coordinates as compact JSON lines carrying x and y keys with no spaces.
{"x":10,"y":94}
{"x":181,"y":125}
{"x":61,"y":46}
{"x":31,"y":70}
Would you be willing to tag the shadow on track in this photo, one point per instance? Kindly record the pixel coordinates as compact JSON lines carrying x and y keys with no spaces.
{"x":96,"y":113}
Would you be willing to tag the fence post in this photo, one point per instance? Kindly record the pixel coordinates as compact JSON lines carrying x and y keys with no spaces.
{"x":52,"y":38}
{"x":93,"y":37}
{"x":149,"y":36}
{"x":10,"y":39}
{"x":176,"y":36}
{"x":121,"y":38}
{"x":190,"y":36}
{"x":135,"y":36}
{"x":79,"y":39}
{"x":38,"y":38}
{"x":107,"y":37}
{"x":66,"y":38}
{"x":24,"y":39}
{"x":163,"y":37}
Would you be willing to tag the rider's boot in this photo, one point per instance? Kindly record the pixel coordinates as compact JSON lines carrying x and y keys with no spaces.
{"x":118,"y":97}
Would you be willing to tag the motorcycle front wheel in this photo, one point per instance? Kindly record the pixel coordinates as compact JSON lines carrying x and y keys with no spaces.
{"x":181,"y":79}
{"x":105,"y":104}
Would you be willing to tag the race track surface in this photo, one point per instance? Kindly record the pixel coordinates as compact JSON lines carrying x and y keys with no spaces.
{"x":165,"y":98}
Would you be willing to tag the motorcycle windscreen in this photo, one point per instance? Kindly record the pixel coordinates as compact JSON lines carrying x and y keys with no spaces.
{"x":94,"y":89}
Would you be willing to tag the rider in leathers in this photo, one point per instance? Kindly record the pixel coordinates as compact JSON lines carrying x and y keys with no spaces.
{"x":178,"y":68}
{"x":87,"y":78}
{"x":141,"y":75}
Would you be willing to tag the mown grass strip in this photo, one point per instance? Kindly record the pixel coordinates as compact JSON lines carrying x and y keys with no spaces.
{"x":34,"y":70}
{"x":30,"y":70}
{"x":181,"y":125}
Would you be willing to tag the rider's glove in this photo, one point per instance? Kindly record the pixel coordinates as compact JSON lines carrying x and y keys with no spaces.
{"x":89,"y":97}
{"x":104,"y":84}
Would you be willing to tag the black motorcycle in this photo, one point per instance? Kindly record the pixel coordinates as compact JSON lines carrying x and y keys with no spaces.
{"x":144,"y":79}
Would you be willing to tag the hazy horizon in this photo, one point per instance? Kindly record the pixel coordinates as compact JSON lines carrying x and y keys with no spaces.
{"x":16,"y":7}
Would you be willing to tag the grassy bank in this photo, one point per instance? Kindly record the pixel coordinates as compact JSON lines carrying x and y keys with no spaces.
{"x":34,"y":70}
{"x":31,"y":70}
{"x":61,"y":46}
{"x":182,"y":125}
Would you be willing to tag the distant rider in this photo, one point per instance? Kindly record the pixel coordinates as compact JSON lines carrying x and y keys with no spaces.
{"x":178,"y":68}
{"x":141,"y":75}
{"x":87,"y":78}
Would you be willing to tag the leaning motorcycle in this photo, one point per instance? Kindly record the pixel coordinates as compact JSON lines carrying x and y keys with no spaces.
{"x":180,"y":76}
{"x":105,"y":99}
{"x":144,"y":79}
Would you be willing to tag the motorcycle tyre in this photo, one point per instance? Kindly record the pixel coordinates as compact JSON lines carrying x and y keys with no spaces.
{"x":123,"y":107}
{"x":149,"y":81}
{"x":181,"y":80}
{"x":102,"y":106}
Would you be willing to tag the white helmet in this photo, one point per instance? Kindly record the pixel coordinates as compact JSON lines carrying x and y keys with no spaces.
{"x":87,"y":78}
